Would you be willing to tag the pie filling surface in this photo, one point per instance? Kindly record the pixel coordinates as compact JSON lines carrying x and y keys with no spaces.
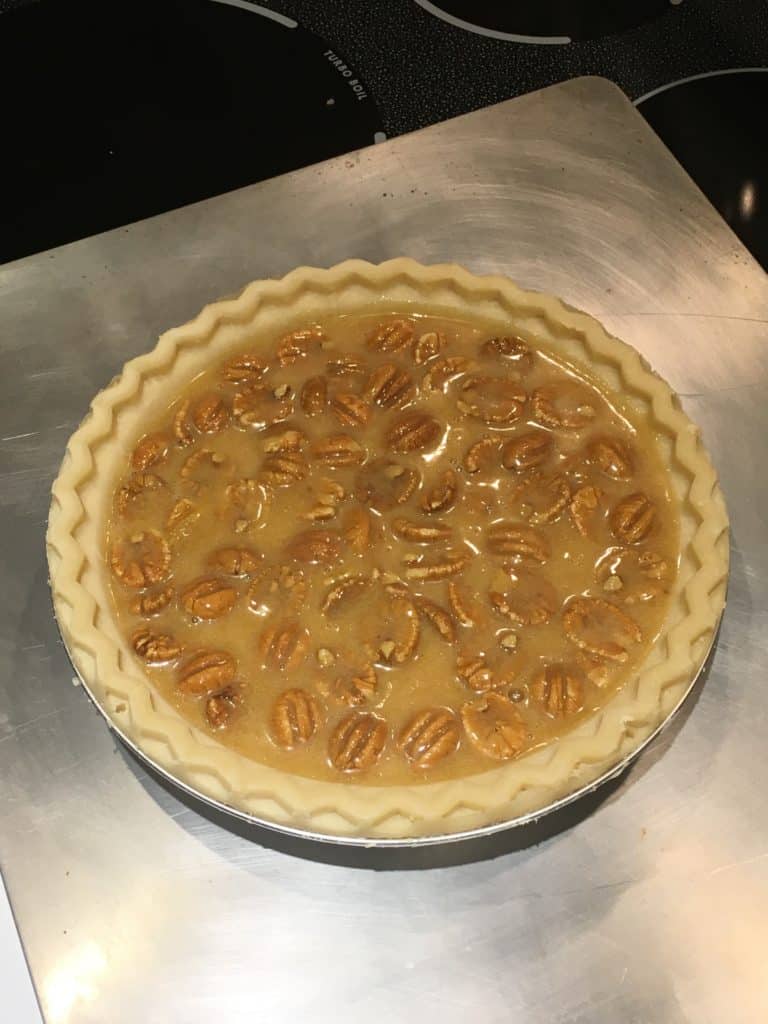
{"x":392,"y":549}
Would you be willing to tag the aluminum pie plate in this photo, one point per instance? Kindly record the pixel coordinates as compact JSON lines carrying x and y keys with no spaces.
{"x":370,"y":842}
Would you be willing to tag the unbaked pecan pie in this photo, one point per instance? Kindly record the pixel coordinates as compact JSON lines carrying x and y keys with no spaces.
{"x":407,"y":546}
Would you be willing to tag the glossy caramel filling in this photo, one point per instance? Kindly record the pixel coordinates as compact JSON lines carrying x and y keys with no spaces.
{"x":392,"y":550}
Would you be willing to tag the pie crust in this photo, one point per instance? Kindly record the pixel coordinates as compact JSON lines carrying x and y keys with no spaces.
{"x":101,"y":655}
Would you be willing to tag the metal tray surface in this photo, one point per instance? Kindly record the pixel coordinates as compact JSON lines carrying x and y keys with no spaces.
{"x":132,"y":900}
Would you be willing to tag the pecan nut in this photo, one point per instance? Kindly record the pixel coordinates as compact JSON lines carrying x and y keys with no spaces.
{"x":155,"y":648}
{"x":413,"y":432}
{"x":633,"y":518}
{"x":220,"y":707}
{"x":342,"y":591}
{"x":633,"y":576}
{"x":511,"y":350}
{"x":283,"y":469}
{"x":389,"y":387}
{"x":315,"y":547}
{"x":356,"y":687}
{"x":427,"y":346}
{"x":466,"y":612}
{"x":442,"y":371}
{"x":439,"y":566}
{"x":245,"y":369}
{"x":208,"y":599}
{"x":527,"y":451}
{"x":481,"y":454}
{"x":235,"y":561}
{"x":210,"y":414}
{"x":152,"y":603}
{"x":600,"y":628}
{"x":151,"y":449}
{"x":314,"y":396}
{"x":438,"y":617}
{"x":263,"y":406}
{"x":523,"y":543}
{"x":391,"y":337}
{"x":297,"y":344}
{"x":350,"y":410}
{"x":584,"y":508}
{"x":495,"y":726}
{"x":497,"y":401}
{"x":420,"y":533}
{"x":563,"y":408}
{"x":478,"y":674}
{"x":442,"y":494}
{"x":205,"y":673}
{"x":384,"y":483}
{"x":284,"y":646}
{"x":339,"y":450}
{"x":135,"y":489}
{"x":559,"y":689}
{"x":357,"y":742}
{"x":612,"y":457}
{"x":295,"y":718}
{"x":357,"y":529}
{"x":141,"y":560}
{"x":430,"y":736}
{"x":183,"y":430}
{"x":530,"y":600}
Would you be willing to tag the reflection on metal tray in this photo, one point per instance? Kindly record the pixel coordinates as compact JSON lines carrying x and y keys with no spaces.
{"x":114,"y":876}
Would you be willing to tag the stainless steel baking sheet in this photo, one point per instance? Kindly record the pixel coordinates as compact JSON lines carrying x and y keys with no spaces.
{"x":135,"y":902}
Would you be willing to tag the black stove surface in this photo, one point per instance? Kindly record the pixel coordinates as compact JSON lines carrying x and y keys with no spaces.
{"x":105,"y":112}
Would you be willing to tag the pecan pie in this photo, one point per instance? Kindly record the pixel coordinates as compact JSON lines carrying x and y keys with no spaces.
{"x":387,"y":551}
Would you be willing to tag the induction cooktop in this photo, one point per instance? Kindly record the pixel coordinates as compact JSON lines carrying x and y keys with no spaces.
{"x":105,"y":105}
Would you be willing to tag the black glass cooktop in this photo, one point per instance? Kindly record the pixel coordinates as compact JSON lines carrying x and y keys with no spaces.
{"x":115,"y":117}
{"x":106,"y":106}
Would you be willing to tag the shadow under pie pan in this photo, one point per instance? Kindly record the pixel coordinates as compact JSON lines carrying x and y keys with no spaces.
{"x":509,"y":792}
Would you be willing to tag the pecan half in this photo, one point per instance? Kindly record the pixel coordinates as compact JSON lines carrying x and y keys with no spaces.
{"x":523,"y":543}
{"x":385,"y":483}
{"x":205,"y":673}
{"x":397,"y":635}
{"x":481,"y":455}
{"x":413,"y":432}
{"x":584,"y":508}
{"x":466,"y":612}
{"x":529,"y":600}
{"x":135,"y":488}
{"x":357,"y":742}
{"x":495,"y":726}
{"x":514,"y":352}
{"x":183,"y":430}
{"x":210,"y":414}
{"x":600,"y":628}
{"x":438,"y":566}
{"x":204,"y":467}
{"x":420,"y":532}
{"x":438,"y":617}
{"x":339,"y":450}
{"x":284,"y":645}
{"x":220,"y":708}
{"x":356,"y":687}
{"x":208,"y":598}
{"x":497,"y":401}
{"x":314,"y":395}
{"x":441,"y":495}
{"x":357,"y":529}
{"x":527,"y":451}
{"x":155,"y":648}
{"x":297,"y":344}
{"x":350,"y":410}
{"x":341,"y":591}
{"x":262,"y":406}
{"x":151,"y":449}
{"x":315,"y":547}
{"x":141,"y":560}
{"x":346,"y":364}
{"x":612,"y":457}
{"x":152,"y":603}
{"x":283,"y":469}
{"x":633,"y":518}
{"x":559,"y":689}
{"x":430,"y":736}
{"x":295,"y":718}
{"x":181,"y":520}
{"x":632,"y":576}
{"x":391,"y":337}
{"x":389,"y":387}
{"x":442,"y":371}
{"x":427,"y":346}
{"x":474,"y":669}
{"x":273,"y":587}
{"x":567,"y":407}
{"x":283,"y":439}
{"x":234,"y":561}
{"x":245,"y":369}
